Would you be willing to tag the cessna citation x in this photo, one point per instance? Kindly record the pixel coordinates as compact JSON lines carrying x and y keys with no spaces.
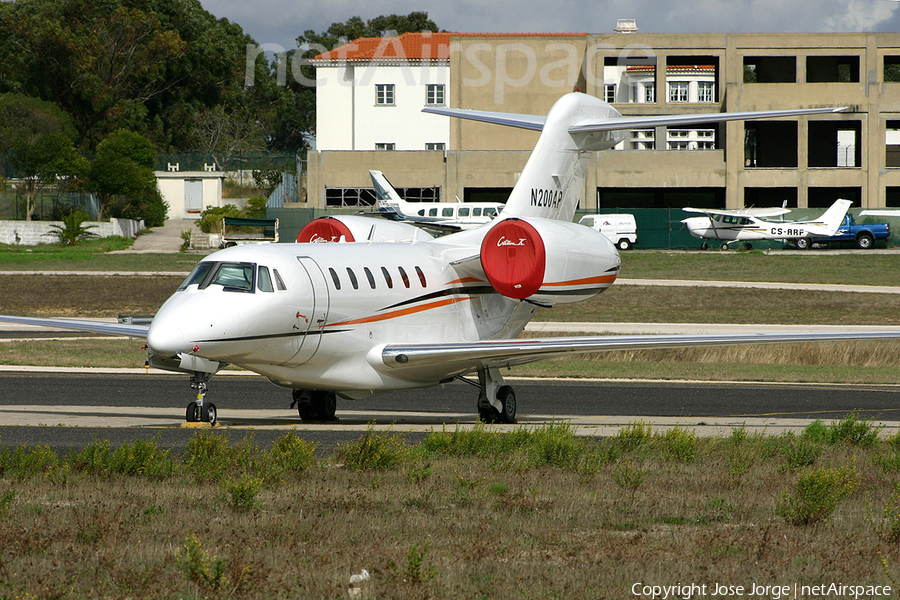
{"x":393,"y":308}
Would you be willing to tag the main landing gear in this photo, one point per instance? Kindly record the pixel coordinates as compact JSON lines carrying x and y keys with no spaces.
{"x":496,"y":400}
{"x":315,"y":405}
{"x":199,"y":410}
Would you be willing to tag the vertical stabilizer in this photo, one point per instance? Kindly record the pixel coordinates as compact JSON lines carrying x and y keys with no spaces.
{"x":833,"y":217}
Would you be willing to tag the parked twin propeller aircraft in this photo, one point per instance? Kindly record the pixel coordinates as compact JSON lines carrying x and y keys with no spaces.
{"x":749,"y":224}
{"x":445,"y":215}
{"x":389,"y":307}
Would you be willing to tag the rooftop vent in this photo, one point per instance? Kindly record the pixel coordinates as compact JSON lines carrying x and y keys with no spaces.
{"x":626,"y":26}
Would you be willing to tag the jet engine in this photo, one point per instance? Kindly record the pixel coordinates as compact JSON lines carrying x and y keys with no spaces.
{"x":548,"y":262}
{"x":353,"y":228}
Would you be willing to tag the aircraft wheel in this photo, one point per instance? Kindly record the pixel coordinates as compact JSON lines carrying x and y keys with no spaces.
{"x":748,"y":246}
{"x":193,"y":414}
{"x":305,"y":405}
{"x":724,"y":246}
{"x":704,"y":246}
{"x":803,"y":244}
{"x":209,"y":413}
{"x":325,"y":405}
{"x":507,"y":398}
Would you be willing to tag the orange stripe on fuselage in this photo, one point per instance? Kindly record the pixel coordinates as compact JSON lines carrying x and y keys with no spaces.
{"x":401,"y":313}
{"x":466,"y":280}
{"x":585,"y":281}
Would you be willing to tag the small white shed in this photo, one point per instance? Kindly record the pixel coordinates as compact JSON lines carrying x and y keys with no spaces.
{"x":190,"y":192}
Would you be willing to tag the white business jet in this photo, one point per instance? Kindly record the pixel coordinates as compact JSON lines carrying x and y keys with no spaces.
{"x":750,"y":224}
{"x":458,"y":216}
{"x":390,"y":308}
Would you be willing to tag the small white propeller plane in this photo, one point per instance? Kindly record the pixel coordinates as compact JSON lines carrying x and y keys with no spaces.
{"x":389,"y":307}
{"x":750,"y":224}
{"x":444,"y":215}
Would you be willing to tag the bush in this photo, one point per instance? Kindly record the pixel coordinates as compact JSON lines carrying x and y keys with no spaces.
{"x":211,"y":218}
{"x":73,"y":228}
{"x":816,"y":495}
{"x":374,"y":451}
{"x":680,"y":445}
{"x":854,"y":431}
{"x":634,"y":435}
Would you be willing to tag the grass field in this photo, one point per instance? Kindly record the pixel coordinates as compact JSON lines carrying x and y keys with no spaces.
{"x":532,"y":514}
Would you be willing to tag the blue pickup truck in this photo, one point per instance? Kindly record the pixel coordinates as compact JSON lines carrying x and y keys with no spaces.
{"x":863,"y":235}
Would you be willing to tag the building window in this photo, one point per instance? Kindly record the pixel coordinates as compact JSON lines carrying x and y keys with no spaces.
{"x":439,"y":146}
{"x":609,"y":92}
{"x":650,"y":92}
{"x":384,"y":94}
{"x":386,"y":146}
{"x":706,"y":91}
{"x":892,"y":69}
{"x":678,"y":91}
{"x":434,"y":94}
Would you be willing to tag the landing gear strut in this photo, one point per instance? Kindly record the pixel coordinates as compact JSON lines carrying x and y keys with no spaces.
{"x":315,"y":405}
{"x":496,"y":401}
{"x":200,"y":410}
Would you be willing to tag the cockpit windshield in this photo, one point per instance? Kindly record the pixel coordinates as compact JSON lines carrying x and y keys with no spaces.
{"x":233,"y":277}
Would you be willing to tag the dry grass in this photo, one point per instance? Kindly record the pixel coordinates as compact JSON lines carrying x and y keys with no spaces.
{"x":483,"y":524}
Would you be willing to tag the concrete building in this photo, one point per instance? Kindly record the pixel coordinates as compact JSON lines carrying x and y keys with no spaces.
{"x":371,"y":93}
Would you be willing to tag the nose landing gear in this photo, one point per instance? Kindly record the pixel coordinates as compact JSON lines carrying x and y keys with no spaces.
{"x":199,"y":410}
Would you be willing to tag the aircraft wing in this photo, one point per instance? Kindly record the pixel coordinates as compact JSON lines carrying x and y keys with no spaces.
{"x":121,"y":329}
{"x":425,"y":360}
{"x":741,"y":212}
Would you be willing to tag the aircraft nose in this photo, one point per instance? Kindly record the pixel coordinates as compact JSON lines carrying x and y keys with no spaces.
{"x":165,"y":339}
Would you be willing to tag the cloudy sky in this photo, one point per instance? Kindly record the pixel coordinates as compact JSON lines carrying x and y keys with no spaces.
{"x":280,"y":21}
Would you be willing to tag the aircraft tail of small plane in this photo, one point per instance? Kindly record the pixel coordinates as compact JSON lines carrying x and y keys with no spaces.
{"x":832,"y":218}
{"x":552,"y":182}
{"x":387,"y":197}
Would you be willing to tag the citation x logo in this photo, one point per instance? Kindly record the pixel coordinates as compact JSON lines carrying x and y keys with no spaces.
{"x":505,"y":242}
{"x":317,"y":239}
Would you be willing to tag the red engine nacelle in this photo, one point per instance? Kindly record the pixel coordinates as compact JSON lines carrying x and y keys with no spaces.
{"x":353,"y":228}
{"x":548,"y":262}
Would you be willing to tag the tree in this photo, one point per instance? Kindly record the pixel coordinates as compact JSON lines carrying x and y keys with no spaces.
{"x":148,"y":66}
{"x":122,"y":177}
{"x":36,"y":139}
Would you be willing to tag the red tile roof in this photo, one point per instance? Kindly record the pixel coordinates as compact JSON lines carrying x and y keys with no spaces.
{"x":411,"y":46}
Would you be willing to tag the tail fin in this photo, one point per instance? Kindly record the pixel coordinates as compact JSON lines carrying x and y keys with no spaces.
{"x":552,"y":183}
{"x":387,"y":197}
{"x":834,"y":216}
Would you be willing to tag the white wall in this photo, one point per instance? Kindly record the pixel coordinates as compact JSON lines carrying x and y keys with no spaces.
{"x":32,"y":233}
{"x":347,"y":117}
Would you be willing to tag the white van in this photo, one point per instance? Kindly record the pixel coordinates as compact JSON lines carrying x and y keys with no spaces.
{"x":621,"y":229}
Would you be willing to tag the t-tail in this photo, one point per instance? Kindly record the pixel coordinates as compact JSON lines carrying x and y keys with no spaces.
{"x":552,"y":183}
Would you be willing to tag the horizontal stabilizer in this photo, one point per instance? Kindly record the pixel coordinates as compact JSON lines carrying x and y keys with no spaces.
{"x":694,"y":119}
{"x":532,"y":122}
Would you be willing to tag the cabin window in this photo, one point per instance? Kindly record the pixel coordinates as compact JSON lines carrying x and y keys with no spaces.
{"x":278,"y":282}
{"x":421,"y":213}
{"x":447,"y":212}
{"x":387,"y":278}
{"x":235,"y":277}
{"x":463,"y":211}
{"x":476,"y":212}
{"x":352,"y":276}
{"x":432,"y":212}
{"x":264,"y":280}
{"x":490,"y":211}
{"x":335,"y":278}
{"x":421,"y":277}
{"x":197,"y":275}
{"x":404,"y":276}
{"x":370,"y":277}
